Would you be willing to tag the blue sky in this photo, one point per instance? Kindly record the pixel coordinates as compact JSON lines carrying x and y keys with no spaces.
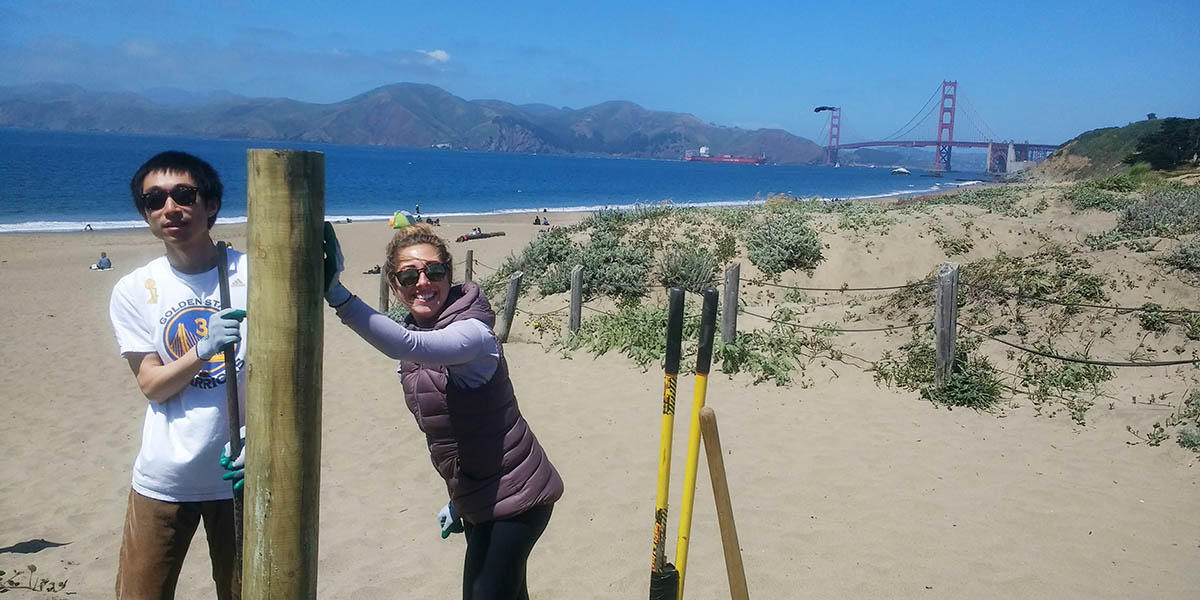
{"x":1042,"y":71}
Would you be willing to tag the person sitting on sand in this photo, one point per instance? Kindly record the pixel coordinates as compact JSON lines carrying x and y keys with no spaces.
{"x":501,"y":484}
{"x":171,"y":329}
{"x":103,"y":264}
{"x":537,"y":220}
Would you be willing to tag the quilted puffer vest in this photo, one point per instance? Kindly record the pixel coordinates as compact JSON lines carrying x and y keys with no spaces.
{"x":493,"y":465}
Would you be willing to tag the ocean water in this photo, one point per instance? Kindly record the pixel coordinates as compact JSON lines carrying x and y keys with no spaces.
{"x":56,"y":181}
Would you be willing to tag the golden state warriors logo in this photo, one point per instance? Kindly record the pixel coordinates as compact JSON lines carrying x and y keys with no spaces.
{"x":183,"y":330}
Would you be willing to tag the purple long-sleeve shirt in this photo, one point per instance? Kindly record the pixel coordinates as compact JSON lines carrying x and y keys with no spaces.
{"x":468,"y":348}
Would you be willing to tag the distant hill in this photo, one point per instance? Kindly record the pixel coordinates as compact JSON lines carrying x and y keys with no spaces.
{"x":402,"y":114}
{"x":1096,"y":153}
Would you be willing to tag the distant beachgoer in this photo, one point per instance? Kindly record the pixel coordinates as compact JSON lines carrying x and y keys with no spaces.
{"x":103,"y":264}
{"x":88,"y":227}
{"x":537,"y":221}
{"x":418,"y":209}
{"x":546,"y":221}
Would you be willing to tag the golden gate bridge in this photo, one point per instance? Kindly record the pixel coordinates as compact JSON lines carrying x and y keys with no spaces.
{"x":1002,"y":156}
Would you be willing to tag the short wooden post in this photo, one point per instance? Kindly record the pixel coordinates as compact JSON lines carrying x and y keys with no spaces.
{"x":730,"y":307}
{"x":945,"y":322}
{"x":469,"y":266}
{"x":383,"y":291}
{"x":720,"y":484}
{"x":576,"y":299}
{"x":505,"y":318}
{"x":285,"y":210}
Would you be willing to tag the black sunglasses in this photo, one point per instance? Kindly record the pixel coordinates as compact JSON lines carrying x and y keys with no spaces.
{"x":434,"y":271}
{"x":183,"y":195}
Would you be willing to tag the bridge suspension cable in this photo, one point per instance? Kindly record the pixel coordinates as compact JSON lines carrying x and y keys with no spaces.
{"x":920,"y":112}
{"x":920,"y":124}
{"x":985,"y":132}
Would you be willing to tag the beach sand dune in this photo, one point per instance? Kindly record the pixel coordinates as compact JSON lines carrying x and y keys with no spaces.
{"x":841,"y":490}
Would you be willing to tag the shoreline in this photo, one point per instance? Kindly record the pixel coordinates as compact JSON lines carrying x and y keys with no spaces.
{"x":67,"y":227}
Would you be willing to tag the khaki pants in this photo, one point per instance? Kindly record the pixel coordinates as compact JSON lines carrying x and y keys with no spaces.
{"x":156,"y":539}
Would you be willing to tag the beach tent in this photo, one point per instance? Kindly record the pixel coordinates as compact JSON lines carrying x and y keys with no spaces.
{"x":401,"y":219}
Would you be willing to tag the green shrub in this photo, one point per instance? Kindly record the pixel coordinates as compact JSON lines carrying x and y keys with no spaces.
{"x":397,"y":312}
{"x":726,"y":248}
{"x":1191,"y":326}
{"x":638,"y":332}
{"x":611,"y":268}
{"x":953,"y":246}
{"x":690,"y":269}
{"x":973,"y":382}
{"x":1164,"y":211}
{"x":1152,"y":318}
{"x":782,"y":240}
{"x":860,"y":215}
{"x":1053,"y":384}
{"x":1094,"y":195}
{"x":973,"y":385}
{"x":1186,"y":256}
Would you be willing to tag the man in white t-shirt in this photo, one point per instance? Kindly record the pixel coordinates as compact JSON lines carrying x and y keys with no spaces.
{"x":170,"y":327}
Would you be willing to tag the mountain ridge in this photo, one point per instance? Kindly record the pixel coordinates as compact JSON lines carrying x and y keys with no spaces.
{"x":402,"y":114}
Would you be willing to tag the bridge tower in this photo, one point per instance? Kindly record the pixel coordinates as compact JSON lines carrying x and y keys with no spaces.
{"x":945,"y":133}
{"x":835,"y":135}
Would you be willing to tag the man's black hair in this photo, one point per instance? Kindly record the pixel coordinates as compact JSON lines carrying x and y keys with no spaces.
{"x":172,"y":161}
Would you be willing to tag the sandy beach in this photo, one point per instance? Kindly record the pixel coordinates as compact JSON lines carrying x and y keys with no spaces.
{"x":841,"y":488}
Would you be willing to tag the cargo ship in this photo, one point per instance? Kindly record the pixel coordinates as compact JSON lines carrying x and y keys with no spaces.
{"x":704,"y":156}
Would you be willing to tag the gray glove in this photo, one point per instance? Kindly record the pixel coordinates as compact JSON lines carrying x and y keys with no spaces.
{"x":449,"y":521}
{"x":336,"y":294}
{"x":224,"y":328}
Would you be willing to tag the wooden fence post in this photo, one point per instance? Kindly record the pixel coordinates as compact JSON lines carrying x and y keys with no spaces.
{"x":285,"y":211}
{"x":730,"y":307}
{"x":383,"y":292}
{"x":945,"y":322}
{"x":504,"y":319}
{"x":576,"y":299}
{"x":469,"y":266}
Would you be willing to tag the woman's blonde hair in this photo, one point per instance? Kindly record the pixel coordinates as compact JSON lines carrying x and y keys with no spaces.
{"x":412,"y":235}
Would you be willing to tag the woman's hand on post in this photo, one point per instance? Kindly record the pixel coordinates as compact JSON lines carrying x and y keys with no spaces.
{"x":336,"y":294}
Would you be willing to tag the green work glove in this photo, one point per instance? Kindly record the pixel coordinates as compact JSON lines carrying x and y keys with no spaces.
{"x":235,"y":467}
{"x":336,"y":294}
{"x":224,"y":328}
{"x":449,"y":521}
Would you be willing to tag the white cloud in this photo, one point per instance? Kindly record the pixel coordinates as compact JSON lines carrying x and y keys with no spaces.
{"x":436,"y":55}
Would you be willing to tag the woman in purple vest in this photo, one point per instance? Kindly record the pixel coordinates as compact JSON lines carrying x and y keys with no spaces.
{"x":502,"y":486}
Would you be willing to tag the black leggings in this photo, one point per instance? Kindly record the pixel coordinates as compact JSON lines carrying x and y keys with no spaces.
{"x":497,"y":552}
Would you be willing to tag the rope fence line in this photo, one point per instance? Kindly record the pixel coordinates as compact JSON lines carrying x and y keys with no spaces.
{"x":596,"y":310}
{"x":1060,"y":303}
{"x":816,"y":328}
{"x":1086,"y":361}
{"x":545,"y":314}
{"x":842,"y":289}
{"x":947,"y":283}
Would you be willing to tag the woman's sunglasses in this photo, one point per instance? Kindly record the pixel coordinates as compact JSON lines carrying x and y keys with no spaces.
{"x":183,"y":195}
{"x":434,"y":271}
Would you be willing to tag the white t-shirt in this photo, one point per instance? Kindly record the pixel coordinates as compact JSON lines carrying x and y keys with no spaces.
{"x":159,"y":309}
